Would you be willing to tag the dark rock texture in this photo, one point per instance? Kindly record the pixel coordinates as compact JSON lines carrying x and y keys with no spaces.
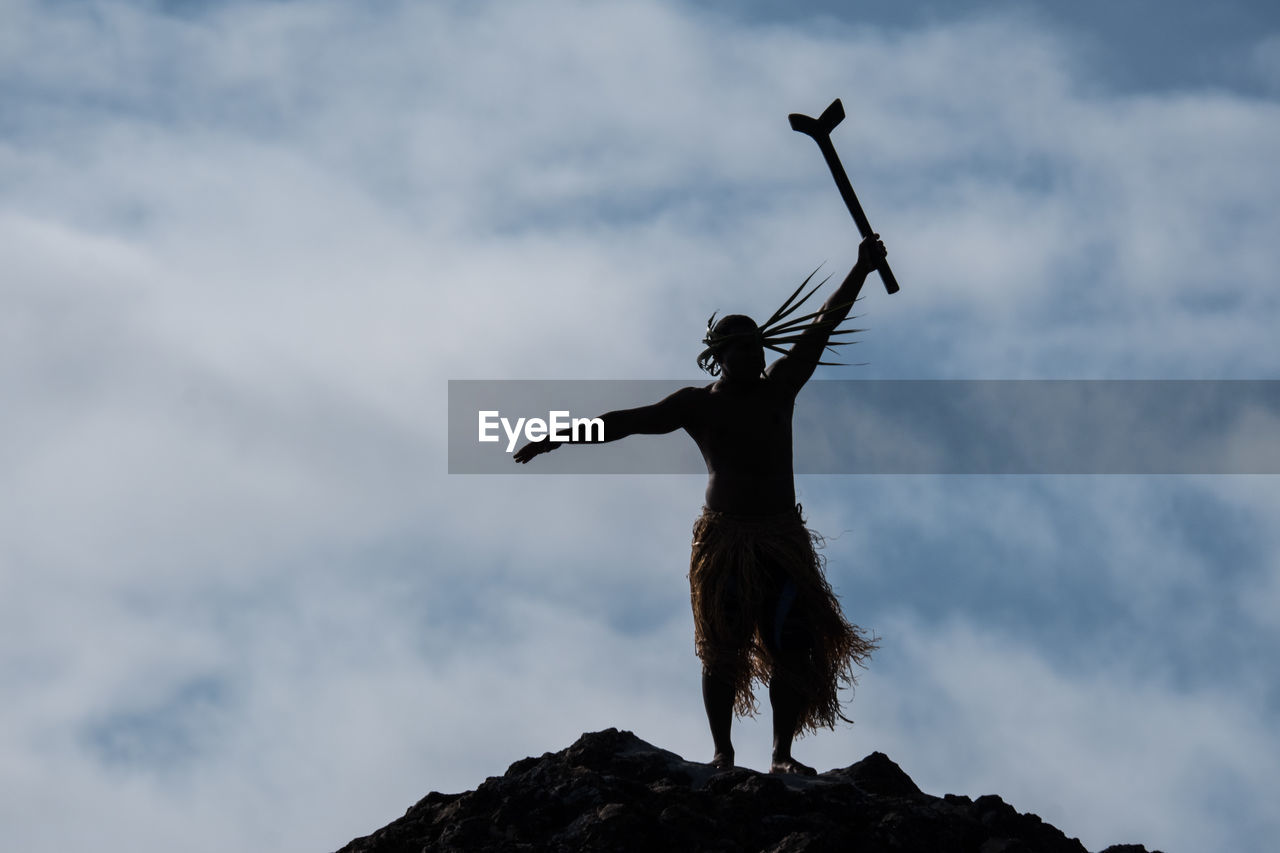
{"x":612,"y":791}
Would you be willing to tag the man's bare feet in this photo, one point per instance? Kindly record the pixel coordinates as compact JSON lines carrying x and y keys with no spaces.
{"x":790,"y":765}
{"x":722,"y":760}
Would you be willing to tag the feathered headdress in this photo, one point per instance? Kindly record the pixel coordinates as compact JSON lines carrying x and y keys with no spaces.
{"x":777,"y":330}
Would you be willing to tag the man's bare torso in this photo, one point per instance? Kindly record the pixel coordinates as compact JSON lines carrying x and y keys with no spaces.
{"x":744,"y":432}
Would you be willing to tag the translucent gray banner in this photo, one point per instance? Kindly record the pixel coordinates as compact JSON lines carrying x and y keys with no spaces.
{"x":905,"y":427}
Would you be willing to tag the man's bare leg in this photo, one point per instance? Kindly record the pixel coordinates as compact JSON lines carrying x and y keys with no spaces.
{"x":786,"y":719}
{"x":717,"y":698}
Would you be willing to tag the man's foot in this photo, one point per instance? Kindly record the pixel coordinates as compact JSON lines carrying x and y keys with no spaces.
{"x":722,"y":760}
{"x":790,"y":765}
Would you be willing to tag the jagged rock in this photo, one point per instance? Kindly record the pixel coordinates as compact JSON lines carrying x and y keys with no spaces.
{"x":612,"y":791}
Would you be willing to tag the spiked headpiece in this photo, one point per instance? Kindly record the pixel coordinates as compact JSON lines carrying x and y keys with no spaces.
{"x":777,"y":330}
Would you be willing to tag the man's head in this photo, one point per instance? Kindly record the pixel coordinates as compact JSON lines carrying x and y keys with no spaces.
{"x":735,"y":346}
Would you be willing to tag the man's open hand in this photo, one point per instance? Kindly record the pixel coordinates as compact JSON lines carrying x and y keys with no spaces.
{"x":533,"y":448}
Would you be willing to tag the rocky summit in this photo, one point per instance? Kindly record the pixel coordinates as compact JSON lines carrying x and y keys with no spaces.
{"x":613,"y":791}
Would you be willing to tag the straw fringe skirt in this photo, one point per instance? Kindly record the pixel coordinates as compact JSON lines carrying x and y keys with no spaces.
{"x":763,"y":610}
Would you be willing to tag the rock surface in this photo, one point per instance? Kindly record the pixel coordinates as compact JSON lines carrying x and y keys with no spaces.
{"x":612,"y":791}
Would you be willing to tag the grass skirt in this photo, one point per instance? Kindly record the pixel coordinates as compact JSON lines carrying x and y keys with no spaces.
{"x":763,"y":610}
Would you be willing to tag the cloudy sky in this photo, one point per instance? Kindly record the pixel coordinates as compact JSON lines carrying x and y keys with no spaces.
{"x":244,"y":247}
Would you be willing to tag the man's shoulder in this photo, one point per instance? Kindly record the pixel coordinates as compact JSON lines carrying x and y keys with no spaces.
{"x":694,"y":392}
{"x":767,"y":388}
{"x":687,"y":398}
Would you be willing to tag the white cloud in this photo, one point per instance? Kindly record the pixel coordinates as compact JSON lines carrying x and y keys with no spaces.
{"x":244,"y":249}
{"x":1100,"y":755}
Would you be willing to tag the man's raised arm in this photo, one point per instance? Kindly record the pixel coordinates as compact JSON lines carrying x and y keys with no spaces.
{"x":802,"y":359}
{"x":667,"y":415}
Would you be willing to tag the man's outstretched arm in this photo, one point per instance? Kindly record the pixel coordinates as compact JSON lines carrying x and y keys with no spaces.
{"x":799,"y":363}
{"x":667,"y":415}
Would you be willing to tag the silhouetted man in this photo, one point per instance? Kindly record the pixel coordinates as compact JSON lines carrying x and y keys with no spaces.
{"x":763,"y":609}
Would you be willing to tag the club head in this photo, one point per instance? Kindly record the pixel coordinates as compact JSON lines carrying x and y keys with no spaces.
{"x":820,"y":126}
{"x":832,"y":115}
